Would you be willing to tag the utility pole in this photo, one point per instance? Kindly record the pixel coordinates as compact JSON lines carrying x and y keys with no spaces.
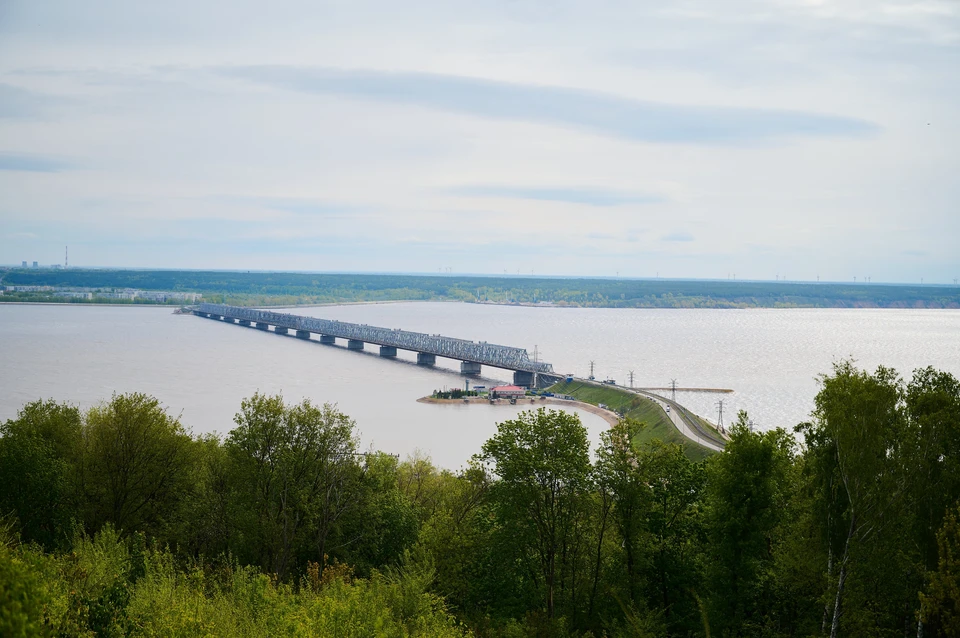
{"x":535,"y":353}
{"x":630,"y":374}
{"x":591,"y":371}
{"x":720,"y":414}
{"x":673,"y":389}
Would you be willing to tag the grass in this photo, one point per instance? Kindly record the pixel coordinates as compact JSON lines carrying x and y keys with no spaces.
{"x":634,"y":406}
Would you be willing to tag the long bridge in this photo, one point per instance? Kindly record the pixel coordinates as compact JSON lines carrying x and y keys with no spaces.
{"x":471,"y":354}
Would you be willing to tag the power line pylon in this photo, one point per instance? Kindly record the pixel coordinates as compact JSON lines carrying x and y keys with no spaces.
{"x":591,"y":371}
{"x":720,"y":415}
{"x":630,"y":375}
{"x":673,"y":389}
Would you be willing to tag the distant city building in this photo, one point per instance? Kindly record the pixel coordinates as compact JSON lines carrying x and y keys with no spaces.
{"x":24,"y":263}
{"x":36,"y":265}
{"x":129,"y":294}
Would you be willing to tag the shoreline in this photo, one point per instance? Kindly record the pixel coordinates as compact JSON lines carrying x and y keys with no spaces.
{"x":611,"y":417}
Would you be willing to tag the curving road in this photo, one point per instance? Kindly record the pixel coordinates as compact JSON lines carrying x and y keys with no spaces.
{"x":682,"y":419}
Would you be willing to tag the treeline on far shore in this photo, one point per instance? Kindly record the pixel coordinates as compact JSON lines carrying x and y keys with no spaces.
{"x":290,"y":288}
{"x":117,"y":521}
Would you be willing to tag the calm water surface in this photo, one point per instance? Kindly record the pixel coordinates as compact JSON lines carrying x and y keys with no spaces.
{"x":201,"y":369}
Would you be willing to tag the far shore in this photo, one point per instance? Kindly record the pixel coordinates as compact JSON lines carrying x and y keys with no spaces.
{"x":609,"y":416}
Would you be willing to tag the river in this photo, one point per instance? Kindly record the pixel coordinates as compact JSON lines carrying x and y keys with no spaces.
{"x":201,"y":369}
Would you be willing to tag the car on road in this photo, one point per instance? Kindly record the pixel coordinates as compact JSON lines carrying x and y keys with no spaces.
{"x":668,"y":408}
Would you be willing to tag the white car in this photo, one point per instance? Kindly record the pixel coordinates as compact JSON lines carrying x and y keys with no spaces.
{"x":668,"y":408}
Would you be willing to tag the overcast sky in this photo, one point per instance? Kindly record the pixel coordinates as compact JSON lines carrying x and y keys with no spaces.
{"x":790,"y":138}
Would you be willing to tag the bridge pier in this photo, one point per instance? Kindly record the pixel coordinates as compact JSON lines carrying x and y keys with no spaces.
{"x":262,"y":326}
{"x":328,"y":340}
{"x":523,"y":379}
{"x":388,"y":351}
{"x":229,"y":320}
{"x":244,"y":322}
{"x":303,"y":334}
{"x":280,"y":330}
{"x":426,"y":359}
{"x":471,"y":368}
{"x":354,"y":344}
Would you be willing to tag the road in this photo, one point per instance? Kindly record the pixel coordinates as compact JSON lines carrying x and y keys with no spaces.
{"x":681,"y":418}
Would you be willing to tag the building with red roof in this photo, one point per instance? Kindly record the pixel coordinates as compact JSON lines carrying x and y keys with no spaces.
{"x":507,"y":392}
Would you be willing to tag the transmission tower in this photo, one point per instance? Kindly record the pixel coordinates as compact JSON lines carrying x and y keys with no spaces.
{"x":673,"y":389}
{"x":720,"y":414}
{"x":591,"y":370}
{"x":630,"y":375}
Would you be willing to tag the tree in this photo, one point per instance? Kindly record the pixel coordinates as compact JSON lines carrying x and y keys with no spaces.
{"x":294,"y":473}
{"x":38,"y":457}
{"x":748,"y":488}
{"x":674,"y":522}
{"x":940,"y":605}
{"x":136,"y":465}
{"x":620,"y":472}
{"x":858,"y":432}
{"x":543,"y":467}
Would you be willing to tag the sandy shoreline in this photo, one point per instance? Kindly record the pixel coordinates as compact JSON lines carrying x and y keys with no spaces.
{"x":529,"y":402}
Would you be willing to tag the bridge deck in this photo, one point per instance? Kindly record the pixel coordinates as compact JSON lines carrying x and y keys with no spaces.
{"x":505,"y":357}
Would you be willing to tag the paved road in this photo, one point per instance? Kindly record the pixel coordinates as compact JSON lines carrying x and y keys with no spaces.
{"x":681,"y":418}
{"x":686,"y":422}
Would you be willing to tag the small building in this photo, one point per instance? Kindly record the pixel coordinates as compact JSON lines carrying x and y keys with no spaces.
{"x":507,"y":392}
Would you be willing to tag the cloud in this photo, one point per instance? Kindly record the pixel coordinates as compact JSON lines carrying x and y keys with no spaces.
{"x":678,"y":236}
{"x":16,"y":102}
{"x":30,"y":163}
{"x":587,"y":196}
{"x":600,"y":113}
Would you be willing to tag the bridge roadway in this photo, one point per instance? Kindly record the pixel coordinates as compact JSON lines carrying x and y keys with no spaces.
{"x":472,"y":355}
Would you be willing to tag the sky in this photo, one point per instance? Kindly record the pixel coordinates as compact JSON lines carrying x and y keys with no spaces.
{"x":766,"y":139}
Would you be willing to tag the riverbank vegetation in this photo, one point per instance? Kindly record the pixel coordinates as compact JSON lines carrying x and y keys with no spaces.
{"x":117,"y":521}
{"x":288,"y":289}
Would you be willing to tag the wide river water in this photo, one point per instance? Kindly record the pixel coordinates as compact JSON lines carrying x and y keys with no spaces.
{"x":201,"y":369}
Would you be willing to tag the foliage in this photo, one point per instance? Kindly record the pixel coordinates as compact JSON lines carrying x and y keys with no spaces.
{"x":287,"y":288}
{"x":118,"y":522}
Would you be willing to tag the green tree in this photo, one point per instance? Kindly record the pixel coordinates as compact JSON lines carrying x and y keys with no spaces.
{"x":859,"y":435}
{"x":940,"y":605}
{"x":38,"y":457}
{"x":293,"y":472}
{"x":542,"y":463}
{"x":748,"y":489}
{"x":621,"y":472}
{"x":136,"y":465}
{"x":674,"y":522}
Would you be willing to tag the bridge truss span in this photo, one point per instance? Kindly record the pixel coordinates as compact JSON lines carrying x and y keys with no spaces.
{"x":497,"y":356}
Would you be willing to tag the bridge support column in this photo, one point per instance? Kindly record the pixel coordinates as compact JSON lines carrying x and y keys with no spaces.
{"x":354,"y":344}
{"x":425,"y":359}
{"x":262,"y":326}
{"x":328,"y":339}
{"x":280,"y":330}
{"x":244,"y":322}
{"x":388,"y":351}
{"x":303,"y":334}
{"x":228,"y":320}
{"x":471,"y":368}
{"x":523,"y":379}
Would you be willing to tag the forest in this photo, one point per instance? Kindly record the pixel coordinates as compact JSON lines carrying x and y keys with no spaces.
{"x":119,"y":521}
{"x":291,"y":288}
